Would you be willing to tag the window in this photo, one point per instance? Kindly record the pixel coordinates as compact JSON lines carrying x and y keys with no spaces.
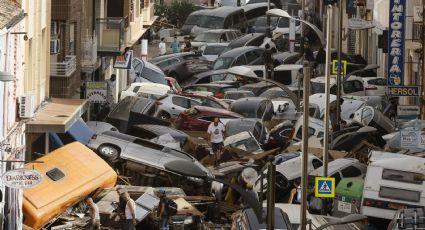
{"x":259,"y":73}
{"x":236,"y":19}
{"x":401,"y":176}
{"x":256,"y":41}
{"x":378,"y":81}
{"x":217,"y":77}
{"x":223,"y":38}
{"x":399,"y":194}
{"x":240,"y":61}
{"x":181,"y":101}
{"x":261,"y":110}
{"x":300,"y":132}
{"x":136,"y":89}
{"x":204,"y":80}
{"x":351,"y":171}
{"x":251,"y":56}
{"x":316,"y":163}
{"x":194,"y":102}
{"x":337,"y":177}
{"x":137,"y":65}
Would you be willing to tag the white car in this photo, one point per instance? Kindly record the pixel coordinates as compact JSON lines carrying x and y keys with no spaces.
{"x":211,"y":51}
{"x":353,"y":86}
{"x":375,"y":86}
{"x":282,"y":26}
{"x":146,"y":89}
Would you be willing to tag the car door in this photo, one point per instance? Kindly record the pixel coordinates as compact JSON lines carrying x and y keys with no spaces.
{"x":179,"y":104}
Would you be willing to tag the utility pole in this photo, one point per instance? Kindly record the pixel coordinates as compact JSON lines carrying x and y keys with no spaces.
{"x":271,"y":182}
{"x":423,"y":61}
{"x":304,"y":166}
{"x":338,"y":78}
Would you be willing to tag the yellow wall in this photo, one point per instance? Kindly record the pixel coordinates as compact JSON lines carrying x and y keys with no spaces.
{"x":37,"y":48}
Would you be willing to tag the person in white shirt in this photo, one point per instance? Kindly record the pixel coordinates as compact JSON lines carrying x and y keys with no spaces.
{"x":130,"y":213}
{"x":216,"y":133}
{"x":94,"y":214}
{"x":162,"y":47}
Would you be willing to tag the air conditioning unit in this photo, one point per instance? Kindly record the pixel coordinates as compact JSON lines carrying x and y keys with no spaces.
{"x":54,"y":46}
{"x":54,"y":28}
{"x":26,"y":106}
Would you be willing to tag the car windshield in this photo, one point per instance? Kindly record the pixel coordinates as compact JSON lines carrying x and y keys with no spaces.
{"x":284,"y":23}
{"x":212,"y":22}
{"x":249,"y":145}
{"x":207,"y":37}
{"x":262,"y":21}
{"x":192,"y":19}
{"x":153,"y":76}
{"x":223,"y":63}
{"x":275,"y":93}
{"x":317,"y":87}
{"x":214,"y":50}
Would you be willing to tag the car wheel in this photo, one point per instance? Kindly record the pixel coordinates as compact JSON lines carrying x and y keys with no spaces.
{"x":165,"y":116}
{"x":109,"y":152}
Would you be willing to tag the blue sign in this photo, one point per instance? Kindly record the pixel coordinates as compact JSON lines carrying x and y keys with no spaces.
{"x":396,"y":36}
{"x":324,"y":187}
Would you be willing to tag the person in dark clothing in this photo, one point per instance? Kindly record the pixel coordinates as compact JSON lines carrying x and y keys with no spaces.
{"x":268,"y":61}
{"x":320,"y":61}
{"x":308,"y":53}
{"x":187,"y":45}
{"x":333,"y":114}
{"x":162,"y":210}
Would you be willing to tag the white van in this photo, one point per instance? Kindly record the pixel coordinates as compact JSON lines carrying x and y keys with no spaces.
{"x":145,"y":89}
{"x":392,"y":182}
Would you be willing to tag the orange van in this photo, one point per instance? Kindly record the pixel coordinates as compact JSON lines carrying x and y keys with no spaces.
{"x":69,"y":173}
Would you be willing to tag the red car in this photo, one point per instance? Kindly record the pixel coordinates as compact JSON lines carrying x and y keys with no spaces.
{"x":198,"y":118}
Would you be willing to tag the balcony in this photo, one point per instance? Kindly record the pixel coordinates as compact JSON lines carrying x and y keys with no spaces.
{"x":148,"y":14}
{"x":65,"y":68}
{"x":110,"y":34}
{"x":134,"y":30}
{"x":89,"y":60}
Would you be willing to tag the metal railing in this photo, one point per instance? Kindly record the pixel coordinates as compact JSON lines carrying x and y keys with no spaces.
{"x":65,"y":68}
{"x":110,"y":34}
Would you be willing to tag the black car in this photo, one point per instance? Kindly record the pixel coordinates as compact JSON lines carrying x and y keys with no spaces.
{"x":281,"y":135}
{"x":148,"y":131}
{"x":257,"y":88}
{"x":248,"y":55}
{"x":252,"y":39}
{"x":182,"y":66}
{"x":253,"y":107}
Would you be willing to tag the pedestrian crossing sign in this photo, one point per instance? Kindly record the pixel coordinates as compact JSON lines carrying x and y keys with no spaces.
{"x":324,"y":187}
{"x":335,"y":66}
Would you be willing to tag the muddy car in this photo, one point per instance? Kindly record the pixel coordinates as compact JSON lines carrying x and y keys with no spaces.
{"x":253,"y":107}
{"x":144,"y":160}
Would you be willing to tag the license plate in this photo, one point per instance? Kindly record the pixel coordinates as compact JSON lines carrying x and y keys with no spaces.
{"x":344,"y":207}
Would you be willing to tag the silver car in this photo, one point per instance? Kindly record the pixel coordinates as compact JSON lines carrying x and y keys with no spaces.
{"x":172,"y":105}
{"x":116,"y":147}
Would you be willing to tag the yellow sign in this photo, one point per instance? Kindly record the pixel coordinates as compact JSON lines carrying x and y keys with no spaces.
{"x":335,"y":67}
{"x":324,"y":187}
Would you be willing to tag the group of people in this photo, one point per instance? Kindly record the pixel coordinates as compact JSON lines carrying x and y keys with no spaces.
{"x":125,"y":213}
{"x":175,"y":46}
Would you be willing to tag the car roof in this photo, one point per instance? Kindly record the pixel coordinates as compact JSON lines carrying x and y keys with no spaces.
{"x":217,"y":31}
{"x":216,"y":111}
{"x":213,"y":85}
{"x":198,"y":12}
{"x":335,"y":165}
{"x":241,"y":41}
{"x":222,"y":11}
{"x":176,"y":55}
{"x":236,"y":52}
{"x":254,"y":6}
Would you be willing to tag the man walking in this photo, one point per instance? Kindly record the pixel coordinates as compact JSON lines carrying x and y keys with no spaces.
{"x":162,"y":47}
{"x":162,"y":210}
{"x":175,"y":45}
{"x":216,"y":133}
{"x":130,"y":213}
{"x":94,"y":214}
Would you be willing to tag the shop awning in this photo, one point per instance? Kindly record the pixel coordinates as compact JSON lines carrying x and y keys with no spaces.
{"x":57,"y":116}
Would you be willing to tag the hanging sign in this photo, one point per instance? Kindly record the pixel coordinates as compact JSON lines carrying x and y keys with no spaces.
{"x":96,"y":91}
{"x":22,"y":178}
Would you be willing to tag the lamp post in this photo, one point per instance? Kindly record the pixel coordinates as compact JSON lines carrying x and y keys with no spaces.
{"x":5,"y":76}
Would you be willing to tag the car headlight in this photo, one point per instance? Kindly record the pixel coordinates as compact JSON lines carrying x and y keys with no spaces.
{"x":188,"y":220}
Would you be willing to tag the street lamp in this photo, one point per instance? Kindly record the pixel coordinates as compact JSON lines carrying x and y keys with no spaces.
{"x":5,"y":76}
{"x":352,"y":218}
{"x":284,"y":14}
{"x":188,"y":168}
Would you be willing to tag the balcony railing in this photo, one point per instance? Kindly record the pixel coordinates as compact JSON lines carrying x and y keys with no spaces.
{"x":110,"y":34}
{"x":65,"y":68}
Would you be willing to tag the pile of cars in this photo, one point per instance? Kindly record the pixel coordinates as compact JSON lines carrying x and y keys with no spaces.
{"x":164,"y":114}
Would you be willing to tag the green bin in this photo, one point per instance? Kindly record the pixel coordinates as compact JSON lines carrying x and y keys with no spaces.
{"x":348,"y":197}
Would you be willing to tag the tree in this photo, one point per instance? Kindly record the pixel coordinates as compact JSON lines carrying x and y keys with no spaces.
{"x":176,"y":13}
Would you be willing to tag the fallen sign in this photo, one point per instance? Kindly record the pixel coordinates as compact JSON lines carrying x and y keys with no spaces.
{"x":22,"y":178}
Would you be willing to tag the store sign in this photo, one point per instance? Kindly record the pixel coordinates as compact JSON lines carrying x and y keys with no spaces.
{"x":22,"y":178}
{"x":124,"y":61}
{"x":359,"y":24}
{"x":408,"y":112}
{"x":396,"y":41}
{"x":412,"y":139}
{"x":412,"y":91}
{"x":96,"y":92}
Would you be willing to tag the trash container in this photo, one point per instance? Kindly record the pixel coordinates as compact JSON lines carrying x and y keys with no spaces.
{"x":348,"y":197}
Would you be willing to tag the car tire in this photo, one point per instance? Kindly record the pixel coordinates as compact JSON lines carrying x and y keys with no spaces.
{"x":164,"y":116}
{"x":109,"y":153}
